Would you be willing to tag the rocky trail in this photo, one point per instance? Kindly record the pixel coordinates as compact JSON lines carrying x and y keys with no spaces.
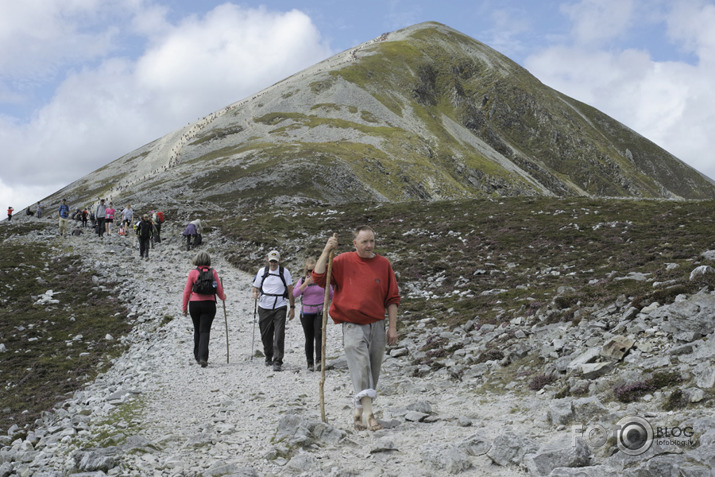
{"x":157,"y":413}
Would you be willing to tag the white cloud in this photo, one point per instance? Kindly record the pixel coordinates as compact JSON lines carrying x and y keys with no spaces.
{"x":191,"y":69}
{"x":38,"y":37}
{"x":596,"y":21}
{"x":21,"y":197}
{"x":692,"y":24}
{"x":670,"y":103}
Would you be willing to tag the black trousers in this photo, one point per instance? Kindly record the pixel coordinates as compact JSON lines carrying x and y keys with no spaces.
{"x":273,"y":329}
{"x":100,"y":226}
{"x":313,"y":330}
{"x":202,"y":314}
{"x":188,"y":241}
{"x":144,"y":244}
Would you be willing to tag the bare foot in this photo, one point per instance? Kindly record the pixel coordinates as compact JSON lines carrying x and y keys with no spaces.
{"x":357,"y":420}
{"x":372,"y":423}
{"x":358,"y":424}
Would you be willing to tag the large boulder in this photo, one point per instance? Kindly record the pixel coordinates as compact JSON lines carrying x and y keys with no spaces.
{"x":564,"y":451}
{"x":691,"y":315}
{"x":510,"y":448}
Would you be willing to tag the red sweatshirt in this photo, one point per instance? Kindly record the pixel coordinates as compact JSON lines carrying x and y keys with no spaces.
{"x":363,"y":288}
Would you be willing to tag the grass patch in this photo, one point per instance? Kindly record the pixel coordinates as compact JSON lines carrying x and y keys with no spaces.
{"x":51,"y":349}
{"x":498,"y":260}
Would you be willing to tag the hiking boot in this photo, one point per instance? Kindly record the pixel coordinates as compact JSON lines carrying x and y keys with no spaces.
{"x":203,"y":363}
{"x":311,"y":367}
{"x":277,"y":367}
{"x":269,"y":362}
{"x":317,"y":367}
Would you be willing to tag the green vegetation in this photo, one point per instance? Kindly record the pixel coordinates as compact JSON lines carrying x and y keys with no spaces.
{"x":52,"y":349}
{"x":489,"y":261}
{"x":124,"y":421}
{"x":495,"y":260}
{"x":633,"y":391}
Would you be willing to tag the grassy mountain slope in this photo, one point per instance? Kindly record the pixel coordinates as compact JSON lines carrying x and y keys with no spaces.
{"x":424,"y":113}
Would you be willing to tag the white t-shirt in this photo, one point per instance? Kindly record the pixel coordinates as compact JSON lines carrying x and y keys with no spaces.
{"x":273,"y":285}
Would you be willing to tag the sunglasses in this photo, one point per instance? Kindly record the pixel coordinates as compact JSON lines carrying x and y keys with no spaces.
{"x":309,"y":271}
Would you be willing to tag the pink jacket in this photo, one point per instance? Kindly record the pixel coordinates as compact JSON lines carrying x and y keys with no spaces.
{"x":313,"y":296}
{"x":189,"y":295}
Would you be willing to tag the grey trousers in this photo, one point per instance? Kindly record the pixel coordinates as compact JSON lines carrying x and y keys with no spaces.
{"x":364,"y":347}
{"x":272,"y":324}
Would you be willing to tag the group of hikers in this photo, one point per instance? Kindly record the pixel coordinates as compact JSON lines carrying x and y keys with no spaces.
{"x":362,"y":289}
{"x":102,"y":218}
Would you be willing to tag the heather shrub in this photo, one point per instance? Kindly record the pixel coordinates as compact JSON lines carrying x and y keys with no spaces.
{"x":541,"y":380}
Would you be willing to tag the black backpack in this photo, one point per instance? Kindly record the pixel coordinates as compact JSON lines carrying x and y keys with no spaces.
{"x":205,"y":283}
{"x":267,"y":272}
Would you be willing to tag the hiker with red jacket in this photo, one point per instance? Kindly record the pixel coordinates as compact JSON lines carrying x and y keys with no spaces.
{"x":364,"y":289}
{"x":9,"y":214}
{"x":158,"y":219}
{"x":201,"y":303}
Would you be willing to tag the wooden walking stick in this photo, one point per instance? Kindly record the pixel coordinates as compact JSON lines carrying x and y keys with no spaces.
{"x":326,"y":299}
{"x":255,"y":304}
{"x":225,"y":317}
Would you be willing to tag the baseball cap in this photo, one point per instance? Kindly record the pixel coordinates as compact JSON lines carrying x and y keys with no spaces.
{"x":274,"y":255}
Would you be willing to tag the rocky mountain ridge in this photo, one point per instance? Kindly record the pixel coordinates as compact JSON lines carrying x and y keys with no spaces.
{"x":423,"y":113}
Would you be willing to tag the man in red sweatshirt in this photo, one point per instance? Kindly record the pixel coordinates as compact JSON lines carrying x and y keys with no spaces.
{"x":364,"y":289}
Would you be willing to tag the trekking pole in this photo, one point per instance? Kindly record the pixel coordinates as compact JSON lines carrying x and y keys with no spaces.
{"x":253,"y":340}
{"x":326,"y":298}
{"x":225,"y":317}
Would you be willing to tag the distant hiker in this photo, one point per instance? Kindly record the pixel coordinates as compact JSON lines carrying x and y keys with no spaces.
{"x":158,"y":219}
{"x":9,"y":214}
{"x":154,"y":231}
{"x":85,"y":215}
{"x":100,"y":215}
{"x":193,"y":232}
{"x":365,"y":287}
{"x":202,"y":286}
{"x":109,"y":218}
{"x":144,"y":232}
{"x":127,"y":216}
{"x":64,"y":215}
{"x":272,"y":285}
{"x":38,"y":214}
{"x":311,"y":312}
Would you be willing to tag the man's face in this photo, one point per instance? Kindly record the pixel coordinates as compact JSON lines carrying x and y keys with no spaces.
{"x":364,"y":244}
{"x":273,"y":264}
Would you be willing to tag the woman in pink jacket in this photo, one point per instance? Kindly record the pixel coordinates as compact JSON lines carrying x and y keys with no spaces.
{"x":109,"y":219}
{"x":202,"y":306}
{"x":311,"y":314}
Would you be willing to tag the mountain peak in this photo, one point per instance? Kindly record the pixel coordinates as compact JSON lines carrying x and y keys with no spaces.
{"x":422,"y":113}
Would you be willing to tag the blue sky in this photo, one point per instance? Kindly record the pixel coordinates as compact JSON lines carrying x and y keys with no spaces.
{"x":83,"y":82}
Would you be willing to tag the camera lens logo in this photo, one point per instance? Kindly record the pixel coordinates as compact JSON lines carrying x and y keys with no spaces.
{"x":596,"y":436}
{"x":634,"y":435}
